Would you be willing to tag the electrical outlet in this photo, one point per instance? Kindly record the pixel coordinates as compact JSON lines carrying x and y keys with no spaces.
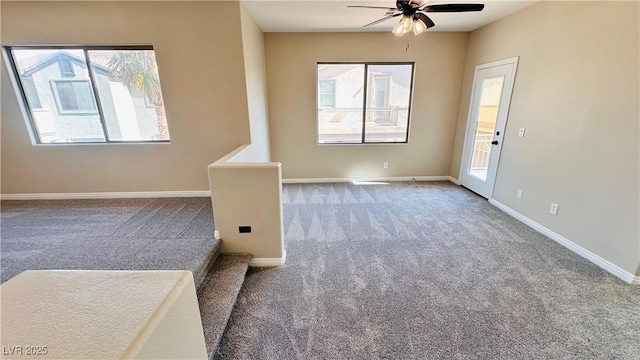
{"x":521,"y":132}
{"x":385,"y":165}
{"x":554,"y":209}
{"x":519,"y":194}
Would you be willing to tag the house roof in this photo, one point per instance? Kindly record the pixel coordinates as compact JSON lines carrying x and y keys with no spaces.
{"x":399,"y":74}
{"x":35,"y":63}
{"x":331,"y":71}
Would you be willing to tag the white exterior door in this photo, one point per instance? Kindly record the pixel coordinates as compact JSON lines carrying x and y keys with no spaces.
{"x":490,"y":98}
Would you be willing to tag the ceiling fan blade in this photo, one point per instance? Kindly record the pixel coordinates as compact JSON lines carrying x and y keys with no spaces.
{"x":381,"y":20}
{"x":370,"y":7}
{"x":453,"y":8}
{"x":425,"y":19}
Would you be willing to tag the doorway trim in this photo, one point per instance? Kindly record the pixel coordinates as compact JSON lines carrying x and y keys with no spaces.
{"x":508,"y":92}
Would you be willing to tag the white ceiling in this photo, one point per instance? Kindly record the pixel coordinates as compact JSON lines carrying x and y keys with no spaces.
{"x":334,"y":16}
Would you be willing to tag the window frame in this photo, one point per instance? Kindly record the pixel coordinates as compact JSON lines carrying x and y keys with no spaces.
{"x":366,"y":90}
{"x":24,"y":102}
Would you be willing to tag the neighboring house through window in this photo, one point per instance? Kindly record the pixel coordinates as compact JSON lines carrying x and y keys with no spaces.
{"x":364,"y":103}
{"x":80,"y":94}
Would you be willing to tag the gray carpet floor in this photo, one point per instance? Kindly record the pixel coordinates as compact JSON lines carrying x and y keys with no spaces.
{"x":425,"y":271}
{"x":119,"y":234}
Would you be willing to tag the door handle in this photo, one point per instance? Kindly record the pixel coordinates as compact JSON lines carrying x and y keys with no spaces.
{"x":494,"y":142}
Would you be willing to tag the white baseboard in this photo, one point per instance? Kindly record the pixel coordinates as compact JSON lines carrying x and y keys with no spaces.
{"x":203,"y":193}
{"x":612,"y":268}
{"x":105,"y":195}
{"x":389,"y":179}
{"x":268,"y":262}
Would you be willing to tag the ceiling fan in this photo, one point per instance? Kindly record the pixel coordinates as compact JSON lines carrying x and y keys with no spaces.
{"x":414,"y":15}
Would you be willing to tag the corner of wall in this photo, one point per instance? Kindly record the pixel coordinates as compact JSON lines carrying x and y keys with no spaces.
{"x":256,"y":83}
{"x":461,"y":123}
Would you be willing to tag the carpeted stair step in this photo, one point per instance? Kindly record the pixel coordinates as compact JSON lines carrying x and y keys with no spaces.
{"x":203,"y":268}
{"x":217,"y":296}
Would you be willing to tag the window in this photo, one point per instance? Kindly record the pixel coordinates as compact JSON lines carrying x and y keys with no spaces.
{"x":327,"y":93}
{"x":74,"y":96}
{"x":364,"y":103}
{"x":84,"y":94}
{"x":66,"y":68}
{"x":31,"y":93}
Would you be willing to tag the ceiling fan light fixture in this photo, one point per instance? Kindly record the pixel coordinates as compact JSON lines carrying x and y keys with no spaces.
{"x":403,"y":26}
{"x":418,"y":26}
{"x":398,"y":29}
{"x":407,"y":24}
{"x":414,"y":14}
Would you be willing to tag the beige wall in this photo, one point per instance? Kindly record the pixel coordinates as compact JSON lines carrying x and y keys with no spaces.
{"x":199,"y":51}
{"x":256,"y":80}
{"x":291,"y":81}
{"x":577,"y":95}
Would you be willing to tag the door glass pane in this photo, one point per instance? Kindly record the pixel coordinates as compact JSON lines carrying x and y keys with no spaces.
{"x":62,"y":104}
{"x":490,"y":94}
{"x":388,"y":103}
{"x":340,"y":97}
